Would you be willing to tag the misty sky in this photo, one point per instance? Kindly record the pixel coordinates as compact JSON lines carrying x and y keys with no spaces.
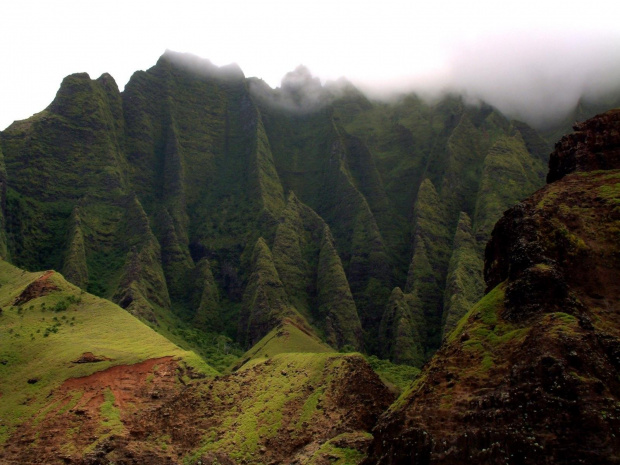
{"x":532,"y":58}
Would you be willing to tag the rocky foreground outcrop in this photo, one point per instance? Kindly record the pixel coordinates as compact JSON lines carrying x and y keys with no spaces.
{"x":532,"y":374}
{"x":595,"y":145}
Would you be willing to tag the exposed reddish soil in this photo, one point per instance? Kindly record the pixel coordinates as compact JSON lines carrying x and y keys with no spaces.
{"x":127,"y":382}
{"x":38,"y":288}
{"x":164,"y":419}
{"x":72,"y":420}
{"x":354,"y":398}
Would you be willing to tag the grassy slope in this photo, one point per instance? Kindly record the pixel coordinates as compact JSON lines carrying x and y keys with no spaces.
{"x":88,"y":324}
{"x":283,"y":403}
{"x":289,"y":338}
{"x":286,"y":338}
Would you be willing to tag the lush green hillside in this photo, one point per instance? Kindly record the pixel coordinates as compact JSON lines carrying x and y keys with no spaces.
{"x":47,"y":325}
{"x":82,"y":380}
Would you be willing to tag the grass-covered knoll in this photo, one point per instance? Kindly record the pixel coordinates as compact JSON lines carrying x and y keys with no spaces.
{"x":291,"y":338}
{"x":285,"y":338}
{"x":40,"y":339}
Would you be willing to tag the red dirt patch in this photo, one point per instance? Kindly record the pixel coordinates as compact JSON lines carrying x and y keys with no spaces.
{"x":72,"y":421}
{"x":125,"y":381}
{"x":38,"y":288}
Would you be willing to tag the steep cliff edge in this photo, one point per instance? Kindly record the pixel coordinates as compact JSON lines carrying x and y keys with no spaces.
{"x":531,"y":373}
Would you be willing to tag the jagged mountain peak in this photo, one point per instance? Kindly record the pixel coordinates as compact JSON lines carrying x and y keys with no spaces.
{"x":200,"y":66}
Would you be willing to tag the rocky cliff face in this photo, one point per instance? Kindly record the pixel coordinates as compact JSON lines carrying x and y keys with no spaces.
{"x":531,"y":374}
{"x":595,"y":145}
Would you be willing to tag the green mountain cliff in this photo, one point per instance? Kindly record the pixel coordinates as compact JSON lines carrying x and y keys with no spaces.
{"x":160,"y":197}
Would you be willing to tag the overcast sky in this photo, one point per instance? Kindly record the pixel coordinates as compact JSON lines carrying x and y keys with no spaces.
{"x":530,"y":57}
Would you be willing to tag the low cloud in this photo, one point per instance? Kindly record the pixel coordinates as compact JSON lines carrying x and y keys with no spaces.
{"x":201,"y":66}
{"x":299,"y":92}
{"x":536,"y":77}
{"x":539,"y":78}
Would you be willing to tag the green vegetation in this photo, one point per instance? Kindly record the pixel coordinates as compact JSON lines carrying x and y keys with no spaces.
{"x":611,"y":192}
{"x":286,"y":338}
{"x":398,"y":376}
{"x":487,"y":331}
{"x":75,"y":267}
{"x":110,"y":414}
{"x":401,"y":328}
{"x":509,"y":174}
{"x":265,"y":302}
{"x":263,"y":409}
{"x":339,"y":455}
{"x":313,"y":275}
{"x":464,"y":284}
{"x":336,"y":306}
{"x":4,"y":253}
{"x":430,"y":259}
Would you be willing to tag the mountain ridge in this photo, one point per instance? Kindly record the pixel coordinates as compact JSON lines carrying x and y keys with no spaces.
{"x":192,"y":162}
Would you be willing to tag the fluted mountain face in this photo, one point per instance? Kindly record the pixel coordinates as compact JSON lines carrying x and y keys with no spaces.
{"x":200,"y":195}
{"x":531,"y":373}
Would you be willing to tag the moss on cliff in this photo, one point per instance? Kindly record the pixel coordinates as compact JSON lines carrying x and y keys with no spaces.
{"x":464,"y":283}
